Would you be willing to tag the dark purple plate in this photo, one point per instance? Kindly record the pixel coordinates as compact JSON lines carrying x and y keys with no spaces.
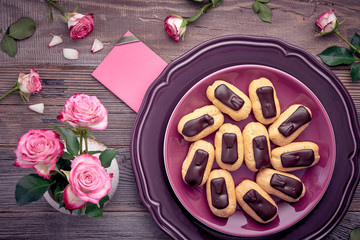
{"x":316,"y":179}
{"x":210,"y":57}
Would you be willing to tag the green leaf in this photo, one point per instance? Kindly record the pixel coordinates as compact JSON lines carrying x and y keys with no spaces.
{"x":64,"y":164}
{"x":265,"y":13}
{"x":30,"y":188}
{"x":356,"y":42}
{"x":67,"y":156}
{"x":51,"y":12}
{"x":22,"y":28}
{"x":72,"y":143}
{"x":59,"y":190}
{"x":355,"y":71}
{"x":93,"y":211}
{"x":79,"y":211}
{"x":264,"y":1}
{"x":216,"y":3}
{"x":9,"y":46}
{"x":61,"y":201}
{"x":355,"y":234}
{"x":107,"y":156}
{"x":256,"y":7}
{"x":335,"y":55}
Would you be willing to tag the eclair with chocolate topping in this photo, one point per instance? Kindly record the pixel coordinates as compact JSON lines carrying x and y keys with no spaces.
{"x":295,"y":156}
{"x":200,"y":123}
{"x":256,"y":146}
{"x":229,"y":150}
{"x":256,"y":202}
{"x":286,"y":186}
{"x":198,"y":162}
{"x":290,"y":124}
{"x":220,"y":193}
{"x":264,"y":101}
{"x":229,"y":99}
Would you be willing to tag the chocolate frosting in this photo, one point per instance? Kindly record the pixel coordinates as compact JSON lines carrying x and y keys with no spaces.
{"x":267,"y":102}
{"x":219,"y":195}
{"x":300,"y":158}
{"x":300,"y":117}
{"x":263,"y":208}
{"x":229,"y":153}
{"x":228,"y":97}
{"x":261,"y":152}
{"x":287,"y":185}
{"x":195,"y":126}
{"x":195,"y":172}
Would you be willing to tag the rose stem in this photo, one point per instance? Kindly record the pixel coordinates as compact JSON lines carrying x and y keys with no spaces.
{"x":57,"y":6}
{"x":81,"y":141}
{"x":352,"y":46}
{"x":11,"y":91}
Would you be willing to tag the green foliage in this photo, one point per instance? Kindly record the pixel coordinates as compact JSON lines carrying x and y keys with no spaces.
{"x":107,"y":156}
{"x":9,"y":45}
{"x":334,"y":55}
{"x":93,"y":210}
{"x":23,"y":28}
{"x":355,"y":234}
{"x":355,"y":40}
{"x":262,"y":10}
{"x":72,"y":143}
{"x":30,"y":188}
{"x":355,"y":71}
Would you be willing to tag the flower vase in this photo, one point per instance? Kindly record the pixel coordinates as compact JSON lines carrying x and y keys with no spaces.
{"x":114,"y":169}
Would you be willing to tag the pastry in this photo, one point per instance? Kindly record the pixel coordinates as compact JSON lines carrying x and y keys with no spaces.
{"x":200,"y":123}
{"x":265,"y":104}
{"x":229,"y":150}
{"x":256,"y":202}
{"x":229,"y":99}
{"x":286,"y":186}
{"x":290,"y":124}
{"x":220,"y":193}
{"x":295,"y":156}
{"x":256,"y":146}
{"x":198,"y":162}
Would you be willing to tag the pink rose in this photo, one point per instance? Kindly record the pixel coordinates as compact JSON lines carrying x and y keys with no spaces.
{"x":80,"y":25}
{"x":173,"y":27}
{"x":89,"y":182}
{"x":40,"y":150}
{"x":82,"y":110}
{"x":327,"y":22}
{"x":30,"y":83}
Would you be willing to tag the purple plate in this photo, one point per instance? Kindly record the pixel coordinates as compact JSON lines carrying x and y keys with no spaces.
{"x":212,"y":56}
{"x":316,"y":179}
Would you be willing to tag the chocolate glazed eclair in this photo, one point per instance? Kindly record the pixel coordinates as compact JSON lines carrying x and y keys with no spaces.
{"x":286,"y":186}
{"x":256,"y":146}
{"x":256,"y":202}
{"x":295,"y":156}
{"x":198,"y":162}
{"x":229,"y":150}
{"x":220,"y":193}
{"x":229,"y":99}
{"x":265,"y":104}
{"x":290,"y":124}
{"x":200,"y":123}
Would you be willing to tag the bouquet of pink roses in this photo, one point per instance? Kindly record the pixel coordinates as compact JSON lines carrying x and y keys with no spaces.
{"x":77,"y":179}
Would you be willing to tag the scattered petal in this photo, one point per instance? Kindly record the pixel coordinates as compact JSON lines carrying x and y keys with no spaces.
{"x":70,"y":53}
{"x":39,"y":108}
{"x":97,"y":46}
{"x":56,"y":40}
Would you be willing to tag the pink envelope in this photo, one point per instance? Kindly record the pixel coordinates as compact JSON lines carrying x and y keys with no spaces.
{"x":129,"y":69}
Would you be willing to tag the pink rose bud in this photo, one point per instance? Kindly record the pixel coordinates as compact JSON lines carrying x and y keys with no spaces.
{"x":327,"y":22}
{"x":80,"y":25}
{"x":30,"y":83}
{"x":89,"y":182}
{"x":40,"y":150}
{"x":173,"y":27}
{"x":82,"y":110}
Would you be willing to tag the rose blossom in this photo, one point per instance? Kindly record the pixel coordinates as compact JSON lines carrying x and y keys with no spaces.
{"x":82,"y":110}
{"x":39,"y":149}
{"x":80,"y":25}
{"x":173,"y":27}
{"x":89,"y":182}
{"x":327,"y":22}
{"x":30,"y":83}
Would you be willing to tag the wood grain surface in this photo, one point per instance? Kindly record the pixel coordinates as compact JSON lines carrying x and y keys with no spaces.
{"x":125,"y":217}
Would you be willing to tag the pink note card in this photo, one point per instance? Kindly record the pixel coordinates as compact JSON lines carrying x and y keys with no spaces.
{"x":129,"y":69}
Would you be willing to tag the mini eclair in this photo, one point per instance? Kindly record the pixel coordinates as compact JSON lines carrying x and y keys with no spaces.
{"x":200,"y":123}
{"x":229,"y":99}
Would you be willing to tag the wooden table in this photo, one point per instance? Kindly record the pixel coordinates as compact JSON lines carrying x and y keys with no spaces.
{"x":125,"y":216}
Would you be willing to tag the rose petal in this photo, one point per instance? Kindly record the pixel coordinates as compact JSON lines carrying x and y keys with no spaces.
{"x":97,"y":46}
{"x":70,"y":53}
{"x":39,"y":108}
{"x":90,"y":159}
{"x":44,"y":170}
{"x":71,"y":201}
{"x":56,"y":40}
